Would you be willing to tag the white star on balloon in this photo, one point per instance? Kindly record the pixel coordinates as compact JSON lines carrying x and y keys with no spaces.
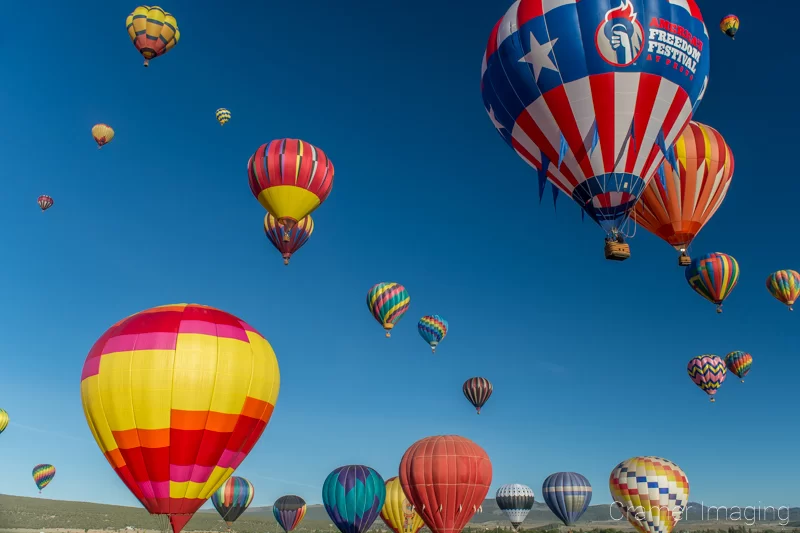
{"x":539,"y":56}
{"x":494,"y":120}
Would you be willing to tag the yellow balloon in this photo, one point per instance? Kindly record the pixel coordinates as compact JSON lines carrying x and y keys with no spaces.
{"x":152,"y":31}
{"x":3,"y":420}
{"x":397,"y":512}
{"x":102,"y":133}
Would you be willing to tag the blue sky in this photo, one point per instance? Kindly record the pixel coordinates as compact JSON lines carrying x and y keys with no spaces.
{"x":588,"y":357}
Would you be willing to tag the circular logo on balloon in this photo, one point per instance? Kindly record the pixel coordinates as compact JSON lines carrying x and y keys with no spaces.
{"x":619,"y":39}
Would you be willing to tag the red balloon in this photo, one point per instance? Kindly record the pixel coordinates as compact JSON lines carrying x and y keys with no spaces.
{"x":446,"y":478}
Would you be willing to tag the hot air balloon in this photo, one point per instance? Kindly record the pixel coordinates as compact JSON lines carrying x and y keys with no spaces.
{"x":568,"y":495}
{"x":298,"y":235}
{"x":446,"y":478}
{"x":353,"y":496}
{"x":398,"y":513}
{"x":289,"y":511}
{"x":477,"y":391}
{"x":223,"y":116}
{"x":4,"y":421}
{"x":739,"y":363}
{"x":713,"y":276}
{"x":651,"y":492}
{"x":580,"y":91}
{"x":729,"y":25}
{"x":43,"y":475}
{"x":432,"y":328}
{"x":290,"y":178}
{"x":176,"y":397}
{"x":103,"y":134}
{"x":45,"y":202}
{"x":689,"y":188}
{"x":388,"y":302}
{"x":516,"y":501}
{"x":233,"y":498}
{"x":153,"y":31}
{"x":707,"y":372}
{"x":784,"y":286}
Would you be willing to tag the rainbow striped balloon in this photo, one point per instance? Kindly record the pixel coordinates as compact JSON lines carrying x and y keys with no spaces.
{"x":388,"y":302}
{"x":233,"y":498}
{"x":784,"y":286}
{"x":707,"y":372}
{"x":739,"y":363}
{"x":713,"y":276}
{"x":43,"y":475}
{"x":3,"y":420}
{"x":432,"y":328}
{"x":289,"y":511}
{"x":176,"y":397}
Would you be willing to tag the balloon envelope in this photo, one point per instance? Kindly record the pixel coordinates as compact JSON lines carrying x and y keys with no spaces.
{"x":223,"y":116}
{"x":707,"y":372}
{"x":353,"y":496}
{"x":516,"y":501}
{"x":477,"y":391}
{"x":713,"y":276}
{"x":102,"y":134}
{"x":398,"y":513}
{"x":388,"y":302}
{"x":3,"y":420}
{"x":784,"y":286}
{"x":176,"y":397}
{"x":43,"y":474}
{"x":152,"y":31}
{"x":729,"y":25}
{"x":297,"y":236}
{"x":45,"y":202}
{"x":289,"y":511}
{"x":233,"y":498}
{"x":651,"y":492}
{"x":568,"y":495}
{"x":739,"y":363}
{"x":432,"y":329}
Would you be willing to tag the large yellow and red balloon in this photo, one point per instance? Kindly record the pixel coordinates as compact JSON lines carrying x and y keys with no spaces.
{"x":176,"y":397}
{"x":153,"y":31}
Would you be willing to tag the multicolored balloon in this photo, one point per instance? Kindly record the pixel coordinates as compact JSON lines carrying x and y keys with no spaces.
{"x":153,"y":31}
{"x":3,"y":420}
{"x":446,"y":478}
{"x":388,"y":302}
{"x":707,"y":372}
{"x":551,"y":81}
{"x":713,"y":276}
{"x":432,"y":328}
{"x":102,"y":134}
{"x":353,"y":496}
{"x":45,"y":202}
{"x":290,"y":178}
{"x":398,"y":513}
{"x":477,"y":390}
{"x":568,"y":495}
{"x":176,"y":397}
{"x":298,"y":235}
{"x":516,"y":501}
{"x":690,"y":187}
{"x":233,"y":498}
{"x":42,"y":475}
{"x":651,"y":492}
{"x":729,"y":25}
{"x":739,"y":363}
{"x":784,"y":286}
{"x":289,"y":511}
{"x":223,"y":116}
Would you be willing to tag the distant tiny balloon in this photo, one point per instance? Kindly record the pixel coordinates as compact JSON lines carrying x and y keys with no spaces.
{"x":477,"y":390}
{"x":739,"y":363}
{"x":3,"y":420}
{"x":713,"y":276}
{"x":432,"y":328}
{"x":223,"y":116}
{"x":153,"y":31}
{"x":707,"y":372}
{"x":45,"y":202}
{"x":784,"y":286}
{"x":43,"y":474}
{"x":103,"y":134}
{"x":729,"y":25}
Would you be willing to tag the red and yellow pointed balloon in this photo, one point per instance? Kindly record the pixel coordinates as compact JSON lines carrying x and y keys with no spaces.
{"x":784,"y":286}
{"x":153,"y":31}
{"x":176,"y":397}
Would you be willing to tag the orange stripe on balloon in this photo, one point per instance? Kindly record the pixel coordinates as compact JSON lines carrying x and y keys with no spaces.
{"x":200,"y":420}
{"x":115,"y":458}
{"x":147,"y":438}
{"x":255,"y":408}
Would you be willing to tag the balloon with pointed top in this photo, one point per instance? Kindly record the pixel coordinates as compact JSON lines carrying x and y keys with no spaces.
{"x":153,"y":31}
{"x":298,"y":235}
{"x":516,"y":500}
{"x":43,"y":474}
{"x":432,"y":329}
{"x":223,"y":116}
{"x":446,"y":478}
{"x":477,"y":390}
{"x":713,"y":276}
{"x":233,"y":498}
{"x":568,"y":495}
{"x":289,"y":511}
{"x":651,"y":493}
{"x":398,"y":513}
{"x":708,"y":373}
{"x":353,"y":496}
{"x":784,"y":286}
{"x":739,"y":363}
{"x":729,"y":25}
{"x":45,"y":202}
{"x":102,"y":134}
{"x":3,"y":420}
{"x":388,"y":302}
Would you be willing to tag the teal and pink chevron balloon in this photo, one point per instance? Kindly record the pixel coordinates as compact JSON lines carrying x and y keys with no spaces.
{"x":353,"y":496}
{"x":707,"y":372}
{"x":739,"y":363}
{"x":388,"y":302}
{"x":432,"y":328}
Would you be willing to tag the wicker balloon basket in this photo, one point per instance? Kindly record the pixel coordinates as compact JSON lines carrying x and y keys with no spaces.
{"x":684,"y":260}
{"x":617,"y":251}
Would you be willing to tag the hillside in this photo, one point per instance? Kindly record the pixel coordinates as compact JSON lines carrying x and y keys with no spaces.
{"x":20,"y":513}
